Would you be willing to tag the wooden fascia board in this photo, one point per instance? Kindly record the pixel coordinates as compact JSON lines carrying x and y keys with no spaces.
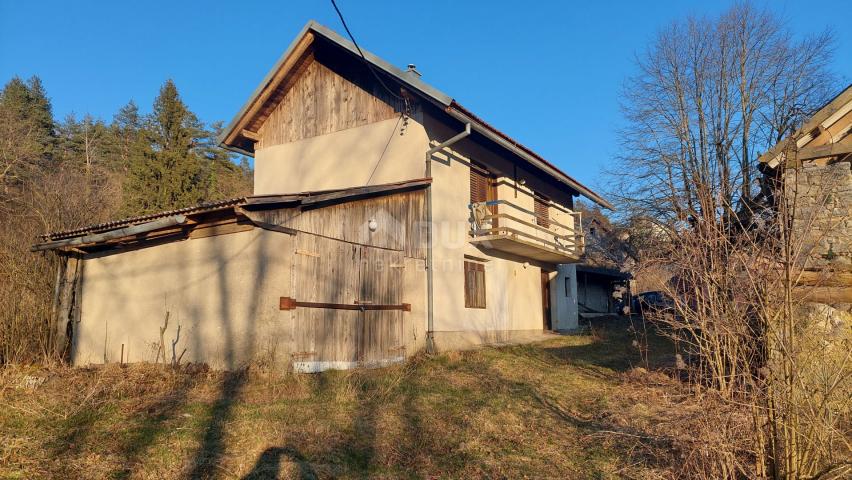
{"x":829,"y":150}
{"x":292,"y":59}
{"x":803,"y":136}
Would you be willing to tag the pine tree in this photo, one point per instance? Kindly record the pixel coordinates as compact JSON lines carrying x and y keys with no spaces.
{"x":128,"y":144}
{"x":170,"y":173}
{"x":227,"y":179}
{"x":27,"y":131}
{"x":86,"y":142}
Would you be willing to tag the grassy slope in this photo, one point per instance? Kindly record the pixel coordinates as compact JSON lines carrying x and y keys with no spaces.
{"x":565,"y":408}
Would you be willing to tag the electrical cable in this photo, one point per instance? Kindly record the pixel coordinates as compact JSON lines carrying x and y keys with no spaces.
{"x":367,"y":62}
{"x":369,"y":65}
{"x":387,"y":144}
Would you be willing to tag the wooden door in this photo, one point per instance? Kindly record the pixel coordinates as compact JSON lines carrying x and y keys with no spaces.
{"x":325,"y":271}
{"x":381,"y":284}
{"x":337,"y":278}
{"x":545,"y":300}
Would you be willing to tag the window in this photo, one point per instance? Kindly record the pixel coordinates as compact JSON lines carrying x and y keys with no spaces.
{"x":474,"y":285}
{"x":483,"y":189}
{"x":479,"y":185}
{"x":542,"y":211}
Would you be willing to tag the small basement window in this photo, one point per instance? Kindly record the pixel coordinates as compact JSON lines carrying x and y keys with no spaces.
{"x":474,"y":285}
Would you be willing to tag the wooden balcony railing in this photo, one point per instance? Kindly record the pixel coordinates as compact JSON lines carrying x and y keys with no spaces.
{"x":502,"y":225}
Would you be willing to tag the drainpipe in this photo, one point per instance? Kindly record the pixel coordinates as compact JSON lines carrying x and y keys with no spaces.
{"x":430,"y":329}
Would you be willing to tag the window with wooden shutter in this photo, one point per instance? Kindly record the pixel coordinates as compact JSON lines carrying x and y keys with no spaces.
{"x":542,"y":211}
{"x":474,"y":285}
{"x":478,"y":185}
{"x":483,"y":189}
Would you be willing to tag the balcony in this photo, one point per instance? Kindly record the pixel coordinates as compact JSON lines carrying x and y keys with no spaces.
{"x":503,"y":226}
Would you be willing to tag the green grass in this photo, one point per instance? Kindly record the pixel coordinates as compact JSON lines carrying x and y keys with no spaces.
{"x":570,"y":407}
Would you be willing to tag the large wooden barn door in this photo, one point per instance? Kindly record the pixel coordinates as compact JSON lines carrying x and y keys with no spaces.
{"x":325,"y":272}
{"x":336,"y":287}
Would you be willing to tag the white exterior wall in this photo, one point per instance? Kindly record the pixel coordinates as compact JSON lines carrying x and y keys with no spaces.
{"x":222,"y":292}
{"x":346,"y":158}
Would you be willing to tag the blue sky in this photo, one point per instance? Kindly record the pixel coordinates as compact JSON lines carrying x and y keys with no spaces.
{"x":547,"y":73}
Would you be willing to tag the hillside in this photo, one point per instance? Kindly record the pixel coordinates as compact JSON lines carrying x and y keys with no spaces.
{"x":570,"y":407}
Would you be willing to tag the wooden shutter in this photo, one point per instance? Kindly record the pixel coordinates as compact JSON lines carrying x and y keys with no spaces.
{"x":542,"y":211}
{"x":478,"y":185}
{"x":474,"y":285}
{"x":483,"y":189}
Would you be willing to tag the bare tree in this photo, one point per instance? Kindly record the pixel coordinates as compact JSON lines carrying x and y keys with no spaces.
{"x":710,"y":95}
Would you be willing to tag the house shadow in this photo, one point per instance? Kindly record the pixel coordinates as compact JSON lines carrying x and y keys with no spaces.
{"x":268,"y":465}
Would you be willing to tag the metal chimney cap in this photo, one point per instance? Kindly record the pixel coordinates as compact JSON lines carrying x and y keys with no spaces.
{"x":413,"y":69}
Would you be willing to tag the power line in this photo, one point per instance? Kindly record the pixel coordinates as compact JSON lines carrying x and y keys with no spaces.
{"x":364,"y":58}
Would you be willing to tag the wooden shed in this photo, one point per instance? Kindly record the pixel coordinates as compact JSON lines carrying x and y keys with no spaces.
{"x":314,"y":280}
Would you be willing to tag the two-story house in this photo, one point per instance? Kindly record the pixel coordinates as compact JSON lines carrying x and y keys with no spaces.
{"x":386,"y":218}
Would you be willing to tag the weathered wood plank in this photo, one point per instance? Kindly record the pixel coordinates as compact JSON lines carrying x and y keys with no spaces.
{"x":399,"y":219}
{"x":68,"y":299}
{"x":319,"y":102}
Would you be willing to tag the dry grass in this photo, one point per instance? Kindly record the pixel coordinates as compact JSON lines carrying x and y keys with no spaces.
{"x":571,"y":407}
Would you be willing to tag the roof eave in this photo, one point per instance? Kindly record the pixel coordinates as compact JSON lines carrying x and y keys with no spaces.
{"x":489,"y":133}
{"x":842,"y":98}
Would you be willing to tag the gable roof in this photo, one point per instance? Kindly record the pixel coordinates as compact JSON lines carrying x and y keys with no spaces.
{"x":234,"y":136}
{"x":828,"y":115}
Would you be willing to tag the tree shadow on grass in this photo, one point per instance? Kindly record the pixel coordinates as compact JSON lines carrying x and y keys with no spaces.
{"x":154,"y":422}
{"x":144,"y":426}
{"x":356,"y":452}
{"x":362,"y":452}
{"x":206,"y":460}
{"x":640,"y":446}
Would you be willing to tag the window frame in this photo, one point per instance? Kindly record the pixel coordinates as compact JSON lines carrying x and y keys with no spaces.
{"x":472,"y":297}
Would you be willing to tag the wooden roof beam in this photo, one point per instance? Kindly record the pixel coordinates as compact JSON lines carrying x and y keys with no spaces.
{"x":829,"y":150}
{"x":253,"y":136}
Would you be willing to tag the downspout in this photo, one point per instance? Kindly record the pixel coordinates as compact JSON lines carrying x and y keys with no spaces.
{"x":430,"y":289}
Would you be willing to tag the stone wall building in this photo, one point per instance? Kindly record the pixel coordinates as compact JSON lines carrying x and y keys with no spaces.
{"x":815,"y":166}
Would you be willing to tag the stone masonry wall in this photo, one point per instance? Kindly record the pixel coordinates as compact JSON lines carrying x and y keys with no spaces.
{"x":823,"y":197}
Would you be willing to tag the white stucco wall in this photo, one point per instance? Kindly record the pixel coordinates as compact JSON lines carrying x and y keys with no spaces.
{"x":222,"y":292}
{"x":347,"y":158}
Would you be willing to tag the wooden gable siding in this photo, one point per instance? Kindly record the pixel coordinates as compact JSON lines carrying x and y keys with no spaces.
{"x":399,"y":218}
{"x":318,"y":102}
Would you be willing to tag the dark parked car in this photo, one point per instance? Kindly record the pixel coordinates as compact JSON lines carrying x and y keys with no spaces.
{"x":651,"y":303}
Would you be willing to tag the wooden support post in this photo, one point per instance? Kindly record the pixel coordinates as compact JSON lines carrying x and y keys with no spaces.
{"x":67,"y":299}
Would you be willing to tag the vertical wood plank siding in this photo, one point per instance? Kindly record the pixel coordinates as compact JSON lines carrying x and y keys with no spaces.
{"x":399,"y":218}
{"x":346,"y":273}
{"x":337,"y":260}
{"x":318,"y":102}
